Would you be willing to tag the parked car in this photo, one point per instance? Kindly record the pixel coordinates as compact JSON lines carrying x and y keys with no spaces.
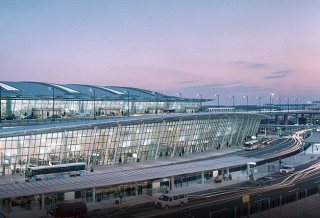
{"x":10,"y":117}
{"x":55,"y":116}
{"x":81,"y":115}
{"x":74,"y":209}
{"x":268,"y":180}
{"x":287,"y":169}
{"x":29,"y":117}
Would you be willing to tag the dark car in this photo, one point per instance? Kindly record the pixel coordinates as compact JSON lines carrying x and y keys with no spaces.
{"x":10,"y":117}
{"x":268,"y":180}
{"x":75,"y":209}
{"x":55,"y":116}
{"x":31,"y":117}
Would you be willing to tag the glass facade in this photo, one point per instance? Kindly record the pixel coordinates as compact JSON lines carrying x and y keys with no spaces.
{"x":42,"y":100}
{"x":43,"y":108}
{"x":123,"y":140}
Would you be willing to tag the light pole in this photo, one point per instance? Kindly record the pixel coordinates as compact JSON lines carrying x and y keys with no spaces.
{"x":156,"y":101}
{"x":270,"y":104}
{"x":52,"y":88}
{"x":272,"y":94}
{"x":247,"y":102}
{"x":0,"y":102}
{"x":279,"y":99}
{"x":296,"y":101}
{"x":94,"y":103}
{"x":259,"y":98}
{"x":200,"y":95}
{"x":128,"y":98}
{"x":218,"y":100}
{"x":232,"y":96}
{"x":288,"y":104}
{"x":180,"y":96}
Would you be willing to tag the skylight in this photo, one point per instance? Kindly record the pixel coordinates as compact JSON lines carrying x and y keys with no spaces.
{"x":65,"y":88}
{"x":9,"y":88}
{"x":113,"y":91}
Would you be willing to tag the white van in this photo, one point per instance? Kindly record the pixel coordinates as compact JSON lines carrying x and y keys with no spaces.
{"x":169,"y":200}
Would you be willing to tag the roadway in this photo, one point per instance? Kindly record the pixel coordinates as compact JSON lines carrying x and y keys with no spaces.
{"x":227,"y":201}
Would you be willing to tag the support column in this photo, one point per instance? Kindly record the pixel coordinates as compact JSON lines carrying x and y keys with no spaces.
{"x":136,"y":188}
{"x":227,"y":171}
{"x":172,"y":183}
{"x":285,"y":118}
{"x":202,"y":177}
{"x":42,"y":201}
{"x":93,"y":195}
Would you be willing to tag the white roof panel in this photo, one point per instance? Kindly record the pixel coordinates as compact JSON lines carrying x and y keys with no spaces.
{"x":65,"y":88}
{"x":9,"y":88}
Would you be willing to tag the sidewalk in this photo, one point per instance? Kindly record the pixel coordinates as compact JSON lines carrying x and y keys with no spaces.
{"x":307,"y":207}
{"x":192,"y":187}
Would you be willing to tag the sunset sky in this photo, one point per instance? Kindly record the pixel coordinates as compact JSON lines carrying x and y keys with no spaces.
{"x":212,"y":47}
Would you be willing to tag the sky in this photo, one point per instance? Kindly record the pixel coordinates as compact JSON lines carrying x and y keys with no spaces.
{"x":210,"y":47}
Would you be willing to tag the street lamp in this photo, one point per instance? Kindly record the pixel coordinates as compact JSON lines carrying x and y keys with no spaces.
{"x":232,"y":96}
{"x":200,"y":95}
{"x":94,"y":103}
{"x":279,"y":99}
{"x":259,"y":98}
{"x":156,"y":101}
{"x":296,"y":101}
{"x":288,"y":104}
{"x":270,"y":104}
{"x":0,"y":101}
{"x":180,"y":95}
{"x":128,"y":96}
{"x":272,"y":94}
{"x":247,"y":102}
{"x":52,"y":88}
{"x":218,"y":100}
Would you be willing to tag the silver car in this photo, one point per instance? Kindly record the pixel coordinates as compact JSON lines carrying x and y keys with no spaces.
{"x":268,"y":180}
{"x":287,"y":169}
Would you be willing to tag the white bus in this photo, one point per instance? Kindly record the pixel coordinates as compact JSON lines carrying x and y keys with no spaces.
{"x":55,"y":171}
{"x":251,"y":145}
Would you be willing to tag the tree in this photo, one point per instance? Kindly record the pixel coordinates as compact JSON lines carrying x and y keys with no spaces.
{"x":20,"y":163}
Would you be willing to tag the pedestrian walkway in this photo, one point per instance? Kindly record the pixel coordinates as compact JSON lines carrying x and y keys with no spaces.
{"x":191,"y":187}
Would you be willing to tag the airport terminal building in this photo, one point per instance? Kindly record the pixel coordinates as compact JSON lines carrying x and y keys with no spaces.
{"x":118,"y":136}
{"x":42,"y":100}
{"x":123,"y":139}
